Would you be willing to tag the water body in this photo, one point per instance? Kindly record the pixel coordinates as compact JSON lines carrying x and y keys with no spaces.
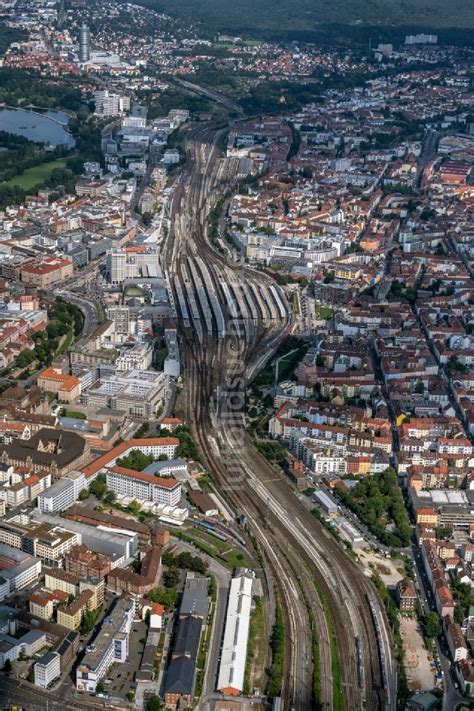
{"x":48,"y":127}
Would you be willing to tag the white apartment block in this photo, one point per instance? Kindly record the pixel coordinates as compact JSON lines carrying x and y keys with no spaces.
{"x":144,"y":487}
{"x":61,"y":580}
{"x":19,"y":570}
{"x":47,"y":669}
{"x":111,"y":645}
{"x":62,"y":494}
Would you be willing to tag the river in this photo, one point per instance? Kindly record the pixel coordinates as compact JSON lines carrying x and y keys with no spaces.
{"x":48,"y":127}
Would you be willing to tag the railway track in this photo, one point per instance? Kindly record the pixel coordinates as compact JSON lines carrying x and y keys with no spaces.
{"x":309,"y":567}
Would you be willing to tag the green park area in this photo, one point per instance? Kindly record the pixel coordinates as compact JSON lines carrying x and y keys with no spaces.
{"x":36,"y":175}
{"x":324,"y":312}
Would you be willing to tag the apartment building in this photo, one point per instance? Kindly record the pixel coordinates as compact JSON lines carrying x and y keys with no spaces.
{"x":406,"y":595}
{"x":97,"y":588}
{"x":110,"y":645}
{"x":83,"y":562}
{"x":143,"y":487}
{"x":71,"y":615}
{"x":62,"y":494}
{"x":456,"y":641}
{"x":120,"y":580}
{"x":47,"y":669}
{"x":61,"y":580}
{"x":18,"y":570}
{"x":41,"y":605}
{"x":426,"y":516}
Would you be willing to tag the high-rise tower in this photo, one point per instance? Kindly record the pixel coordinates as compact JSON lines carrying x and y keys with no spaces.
{"x":84,"y":43}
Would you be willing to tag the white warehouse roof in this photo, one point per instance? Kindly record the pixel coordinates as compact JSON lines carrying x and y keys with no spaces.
{"x":234,"y":646}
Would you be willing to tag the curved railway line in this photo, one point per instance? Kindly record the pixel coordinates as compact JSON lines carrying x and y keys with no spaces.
{"x":308,"y":566}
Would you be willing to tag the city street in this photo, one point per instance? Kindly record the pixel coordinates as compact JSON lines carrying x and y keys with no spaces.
{"x":451,"y":694}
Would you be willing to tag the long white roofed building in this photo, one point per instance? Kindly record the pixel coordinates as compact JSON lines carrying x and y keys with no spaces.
{"x":234,"y":647}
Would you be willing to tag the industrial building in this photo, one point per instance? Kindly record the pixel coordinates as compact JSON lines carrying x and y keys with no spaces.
{"x":195,"y":600}
{"x":349,"y":531}
{"x":327,"y":503}
{"x":146,"y":534}
{"x":230,"y":680}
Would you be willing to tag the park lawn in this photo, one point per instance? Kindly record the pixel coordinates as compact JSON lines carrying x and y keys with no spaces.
{"x":74,"y":414}
{"x":324,"y":312}
{"x":36,"y":175}
{"x":235,"y":560}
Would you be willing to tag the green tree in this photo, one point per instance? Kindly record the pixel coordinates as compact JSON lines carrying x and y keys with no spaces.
{"x":154,"y":703}
{"x":110,"y":497}
{"x":98,"y":487}
{"x":443,"y":533}
{"x":166,"y":597}
{"x":432,"y":625}
{"x":278,"y":655}
{"x":135,"y":460}
{"x":134,"y":508}
{"x":168,"y":558}
{"x":84,"y":494}
{"x":88,"y":621}
{"x":171,"y":577}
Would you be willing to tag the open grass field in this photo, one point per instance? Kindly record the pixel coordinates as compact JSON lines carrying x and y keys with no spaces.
{"x":37,"y":174}
{"x":324,"y":312}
